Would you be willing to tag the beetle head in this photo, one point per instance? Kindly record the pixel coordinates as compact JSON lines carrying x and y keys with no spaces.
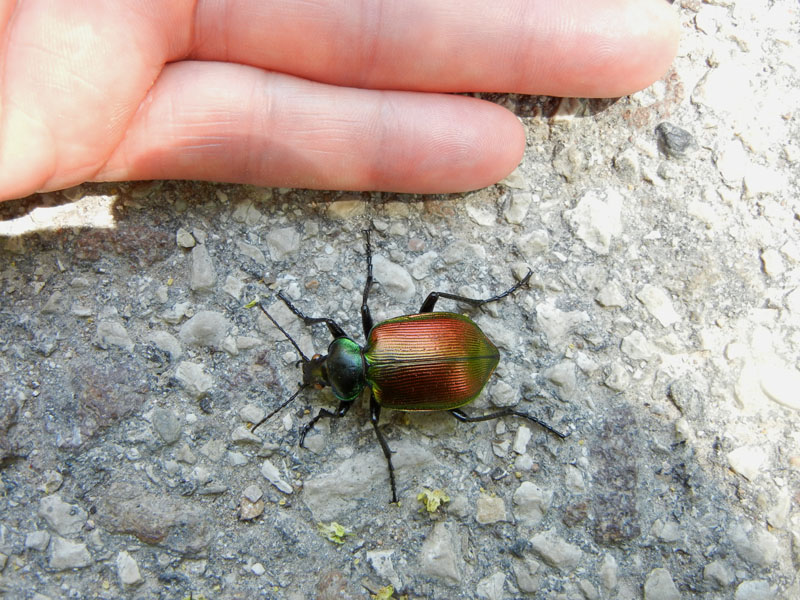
{"x":315,"y":371}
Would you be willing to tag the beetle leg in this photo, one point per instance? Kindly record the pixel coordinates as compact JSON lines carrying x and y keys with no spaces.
{"x":333,"y":326}
{"x":374,"y":415}
{"x":340,"y":412}
{"x":505,"y":413}
{"x":433,"y":297}
{"x":366,"y":317}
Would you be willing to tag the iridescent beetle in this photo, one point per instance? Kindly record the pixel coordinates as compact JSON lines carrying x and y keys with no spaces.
{"x":422,"y":362}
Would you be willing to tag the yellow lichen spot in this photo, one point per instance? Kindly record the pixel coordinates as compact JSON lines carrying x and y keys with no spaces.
{"x":105,"y":584}
{"x":432,"y":499}
{"x":385,"y":593}
{"x":333,"y":532}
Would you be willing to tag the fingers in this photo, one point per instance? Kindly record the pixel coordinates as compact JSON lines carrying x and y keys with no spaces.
{"x":77,"y":78}
{"x":225,"y":122}
{"x":588,"y":48}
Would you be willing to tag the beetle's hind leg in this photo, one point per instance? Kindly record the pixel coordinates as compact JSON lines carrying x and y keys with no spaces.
{"x":340,"y":412}
{"x":507,"y":412}
{"x":374,"y":414}
{"x":433,"y":297}
{"x":333,"y":326}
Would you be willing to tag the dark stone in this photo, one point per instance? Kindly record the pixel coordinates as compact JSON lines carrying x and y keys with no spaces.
{"x":672,"y":140}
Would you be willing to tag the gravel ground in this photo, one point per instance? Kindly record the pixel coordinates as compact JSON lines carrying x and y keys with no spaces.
{"x":661,"y":328}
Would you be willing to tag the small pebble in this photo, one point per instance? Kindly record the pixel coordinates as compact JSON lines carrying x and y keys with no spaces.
{"x":273,"y":475}
{"x":185,"y":239}
{"x":128,"y":569}
{"x":490,"y":509}
{"x":438,"y":557}
{"x":65,"y":554}
{"x":555,"y":551}
{"x":37,"y":540}
{"x":658,"y":304}
{"x":167,"y":425}
{"x":672,"y":140}
{"x":204,"y":276}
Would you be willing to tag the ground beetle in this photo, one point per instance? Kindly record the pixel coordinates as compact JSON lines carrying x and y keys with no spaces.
{"x":426,"y":361}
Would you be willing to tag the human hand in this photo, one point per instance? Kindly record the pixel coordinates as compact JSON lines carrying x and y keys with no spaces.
{"x":332,"y":94}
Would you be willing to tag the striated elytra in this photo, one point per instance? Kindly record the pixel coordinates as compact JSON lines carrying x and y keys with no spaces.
{"x":422,"y":362}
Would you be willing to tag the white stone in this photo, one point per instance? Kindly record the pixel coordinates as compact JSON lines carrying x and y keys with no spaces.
{"x":63,"y":518}
{"x":347,"y":209}
{"x":68,"y":555}
{"x":637,"y":346}
{"x":37,"y":540}
{"x":557,"y":324}
{"x":596,"y":219}
{"x":438,"y":557}
{"x":394,"y":279}
{"x":611,"y":296}
{"x":381,"y":561}
{"x":481,"y":215}
{"x":781,"y":384}
{"x":608,"y":572}
{"x":755,"y":589}
{"x":283,"y":242}
{"x":659,"y":586}
{"x":193,"y":378}
{"x":747,"y":461}
{"x":273,"y":475}
{"x":521,"y":439}
{"x":658,"y":304}
{"x":531,"y":503}
{"x":206,"y":328}
{"x":491,"y":587}
{"x":113,"y":333}
{"x":555,"y":551}
{"x":253,"y":493}
{"x":204,"y":276}
{"x":517,"y":208}
{"x":128,"y":570}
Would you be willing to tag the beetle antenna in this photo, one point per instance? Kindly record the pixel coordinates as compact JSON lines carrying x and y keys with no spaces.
{"x":288,"y":337}
{"x":269,"y":416}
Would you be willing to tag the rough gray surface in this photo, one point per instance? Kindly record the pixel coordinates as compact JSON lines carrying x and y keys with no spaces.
{"x":662,"y":327}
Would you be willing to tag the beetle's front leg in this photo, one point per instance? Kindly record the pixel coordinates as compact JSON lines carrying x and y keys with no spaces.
{"x":375,"y":413}
{"x":333,"y":326}
{"x":366,"y":317}
{"x":340,"y":412}
{"x":433,"y":297}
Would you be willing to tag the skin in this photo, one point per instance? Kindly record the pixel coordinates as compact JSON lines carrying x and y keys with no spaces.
{"x":325,"y":94}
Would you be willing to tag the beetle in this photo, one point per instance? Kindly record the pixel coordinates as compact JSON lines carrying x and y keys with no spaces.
{"x":428,"y":361}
